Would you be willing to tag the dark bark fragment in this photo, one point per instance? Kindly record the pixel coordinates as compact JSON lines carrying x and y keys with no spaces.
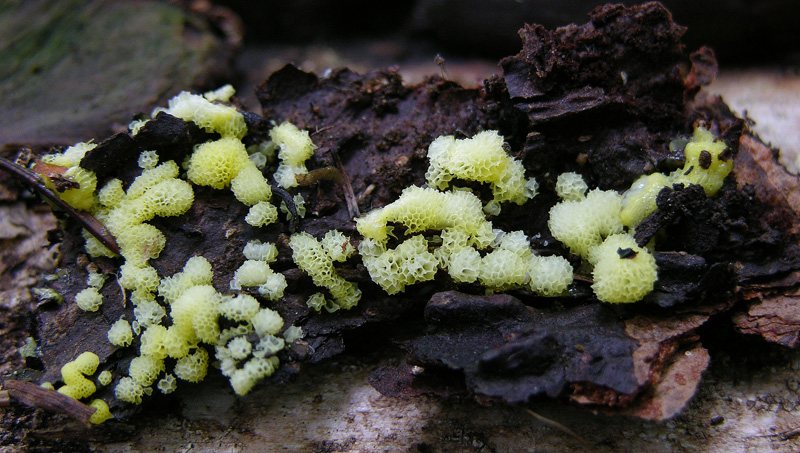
{"x":515,"y":353}
{"x":509,"y":351}
{"x":630,"y":57}
{"x":686,"y":210}
{"x":377,"y":127}
{"x":172,"y":136}
{"x":685,"y":278}
{"x":108,"y":156}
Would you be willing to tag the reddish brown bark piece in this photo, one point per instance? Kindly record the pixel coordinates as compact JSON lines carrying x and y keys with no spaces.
{"x":676,"y":387}
{"x":775,"y":318}
{"x":756,"y":166}
{"x":659,"y":339}
{"x":774,"y":312}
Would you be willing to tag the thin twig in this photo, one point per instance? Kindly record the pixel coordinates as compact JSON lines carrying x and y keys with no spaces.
{"x":582,"y":278}
{"x":321,"y":130}
{"x":294,"y":219}
{"x":325,"y":173}
{"x":557,"y":425}
{"x":32,"y":395}
{"x":783,"y":435}
{"x":121,"y":291}
{"x":349,"y":196}
{"x":88,"y":222}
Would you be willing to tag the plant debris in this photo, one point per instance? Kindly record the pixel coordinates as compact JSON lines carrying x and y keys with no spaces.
{"x":605,"y":100}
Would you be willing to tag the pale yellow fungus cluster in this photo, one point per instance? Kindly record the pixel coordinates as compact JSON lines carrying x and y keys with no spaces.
{"x":337,"y":245}
{"x":294,"y":148}
{"x":147,"y":160}
{"x":167,"y":384}
{"x":239,"y":348}
{"x":623,"y":272}
{"x":74,"y":373}
{"x":156,"y":192}
{"x":705,"y":165}
{"x":584,"y":223}
{"x":549,"y":275}
{"x":239,"y":360}
{"x":639,"y":201}
{"x":192,"y":367}
{"x":206,"y":113}
{"x":193,"y":309}
{"x":512,"y":265}
{"x":95,"y":279}
{"x":313,"y":257}
{"x":145,"y":369}
{"x":255,"y":271}
{"x":262,"y":214}
{"x":221,"y":94}
{"x":262,"y":153}
{"x":146,"y":311}
{"x":255,"y":369}
{"x":177,"y":318}
{"x":104,"y":378}
{"x":217,"y":163}
{"x":299,"y":207}
{"x":120,"y":333}
{"x":90,"y":299}
{"x":250,"y":186}
{"x":136,"y":125}
{"x":422,"y":209}
{"x":408,"y":263}
{"x":591,"y":227}
{"x":570,"y":186}
{"x":481,"y":158}
{"x":317,"y":302}
{"x":266,"y":322}
{"x":262,"y":251}
{"x":226,"y":162}
{"x":81,"y":197}
{"x":129,"y":391}
{"x":196,"y":271}
{"x":469,"y":249}
{"x":457,"y":257}
{"x":101,"y":412}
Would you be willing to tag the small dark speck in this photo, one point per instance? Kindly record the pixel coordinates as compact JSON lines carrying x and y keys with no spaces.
{"x":689,"y":170}
{"x":705,"y":159}
{"x":627,"y":253}
{"x":717,"y":420}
